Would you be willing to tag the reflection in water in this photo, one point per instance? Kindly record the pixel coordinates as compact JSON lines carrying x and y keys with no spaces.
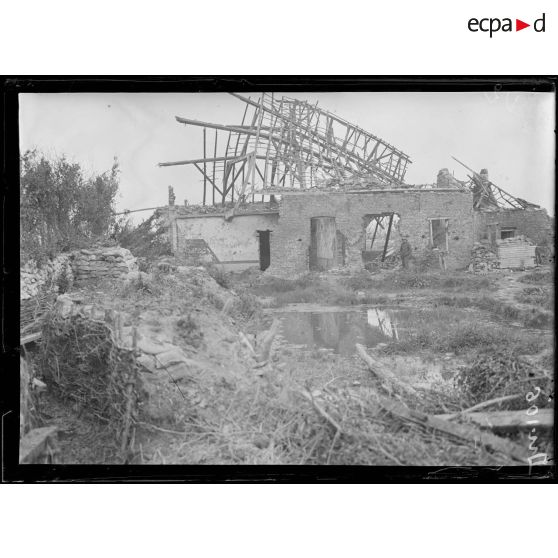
{"x":382,"y":320}
{"x":339,"y":331}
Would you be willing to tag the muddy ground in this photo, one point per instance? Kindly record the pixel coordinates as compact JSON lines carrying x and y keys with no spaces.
{"x":312,"y":404}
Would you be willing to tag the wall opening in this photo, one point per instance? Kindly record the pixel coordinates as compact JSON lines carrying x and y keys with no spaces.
{"x":507,"y":233}
{"x":323,"y":243}
{"x":265,"y":252}
{"x":439,"y":233}
{"x":381,"y":236}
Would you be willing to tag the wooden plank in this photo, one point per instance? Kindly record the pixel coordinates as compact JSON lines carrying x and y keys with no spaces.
{"x":509,"y":421}
{"x":204,"y":169}
{"x":215,"y":155}
{"x":387,"y":237}
{"x":386,"y":376}
{"x":31,"y":338}
{"x":207,"y":177}
{"x":463,"y":431}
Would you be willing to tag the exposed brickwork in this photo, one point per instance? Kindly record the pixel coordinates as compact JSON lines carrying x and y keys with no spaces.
{"x":290,"y":241}
{"x":196,"y":250}
{"x":532,"y":223}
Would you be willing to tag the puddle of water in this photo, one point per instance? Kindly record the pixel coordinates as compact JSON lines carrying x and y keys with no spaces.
{"x":338,"y":329}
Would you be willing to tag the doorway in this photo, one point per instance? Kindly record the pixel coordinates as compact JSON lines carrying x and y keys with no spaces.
{"x":439,"y":234}
{"x":265,"y":258}
{"x":381,"y":236}
{"x":323,"y":243}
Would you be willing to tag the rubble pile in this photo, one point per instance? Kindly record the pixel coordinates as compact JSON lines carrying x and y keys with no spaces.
{"x":35,"y":279}
{"x":483,"y":259}
{"x":392,"y":261}
{"x":113,"y":262}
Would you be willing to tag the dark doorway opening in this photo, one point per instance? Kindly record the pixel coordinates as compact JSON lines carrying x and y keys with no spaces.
{"x":265,"y":258}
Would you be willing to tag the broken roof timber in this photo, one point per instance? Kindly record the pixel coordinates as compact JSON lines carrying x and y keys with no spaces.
{"x":494,"y":194}
{"x":291,"y":143}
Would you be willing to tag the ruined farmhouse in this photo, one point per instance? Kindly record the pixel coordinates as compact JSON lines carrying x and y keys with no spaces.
{"x":298,"y":188}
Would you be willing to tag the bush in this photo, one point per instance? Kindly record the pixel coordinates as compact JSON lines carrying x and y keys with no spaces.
{"x":61,"y":209}
{"x":148,"y":240}
{"x":499,"y":373}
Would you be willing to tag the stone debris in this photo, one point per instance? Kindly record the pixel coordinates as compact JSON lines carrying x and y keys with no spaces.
{"x":34,"y":279}
{"x":483,"y":258}
{"x":75,"y":267}
{"x":114,"y":262}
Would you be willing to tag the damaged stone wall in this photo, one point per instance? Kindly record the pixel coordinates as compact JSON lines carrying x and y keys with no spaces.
{"x":103,"y":263}
{"x":234,"y":242}
{"x":535,"y":224}
{"x":290,"y":242}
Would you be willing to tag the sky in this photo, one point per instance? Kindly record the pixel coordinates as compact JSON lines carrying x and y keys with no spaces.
{"x":510,"y":134}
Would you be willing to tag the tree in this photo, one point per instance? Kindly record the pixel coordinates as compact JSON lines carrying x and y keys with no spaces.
{"x":61,"y":209}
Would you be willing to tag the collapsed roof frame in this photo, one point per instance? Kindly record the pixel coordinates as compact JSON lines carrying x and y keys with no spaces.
{"x":291,"y":144}
{"x":487,"y":195}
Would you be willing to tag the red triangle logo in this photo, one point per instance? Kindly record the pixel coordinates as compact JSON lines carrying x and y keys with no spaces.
{"x":519,"y":25}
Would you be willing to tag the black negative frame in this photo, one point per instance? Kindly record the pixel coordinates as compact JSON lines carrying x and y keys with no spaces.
{"x":10,"y":87}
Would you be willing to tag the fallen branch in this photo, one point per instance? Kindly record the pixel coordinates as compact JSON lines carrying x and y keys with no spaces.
{"x":321,"y":411}
{"x":483,"y":405}
{"x":510,"y":421}
{"x":382,"y":373}
{"x":464,"y":431}
{"x":247,"y":343}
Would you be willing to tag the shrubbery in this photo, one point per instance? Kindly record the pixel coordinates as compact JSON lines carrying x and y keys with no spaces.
{"x":61,"y":208}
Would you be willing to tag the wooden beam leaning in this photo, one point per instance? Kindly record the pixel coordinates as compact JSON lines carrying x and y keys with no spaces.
{"x":215,"y":155}
{"x":207,"y":178}
{"x":203,"y":172}
{"x":464,"y":431}
{"x":387,"y":237}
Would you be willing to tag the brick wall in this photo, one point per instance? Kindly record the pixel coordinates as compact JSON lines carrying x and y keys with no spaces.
{"x":532,"y":223}
{"x":290,"y":241}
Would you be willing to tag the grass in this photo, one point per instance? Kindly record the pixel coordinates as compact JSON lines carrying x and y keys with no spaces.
{"x":531,"y":317}
{"x":362,"y":288}
{"x":221,"y":277}
{"x":313,"y":289}
{"x":232,"y":413}
{"x":538,"y":277}
{"x":399,"y":280}
{"x":536,"y":296}
{"x":443,"y":330}
{"x":267,"y":420}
